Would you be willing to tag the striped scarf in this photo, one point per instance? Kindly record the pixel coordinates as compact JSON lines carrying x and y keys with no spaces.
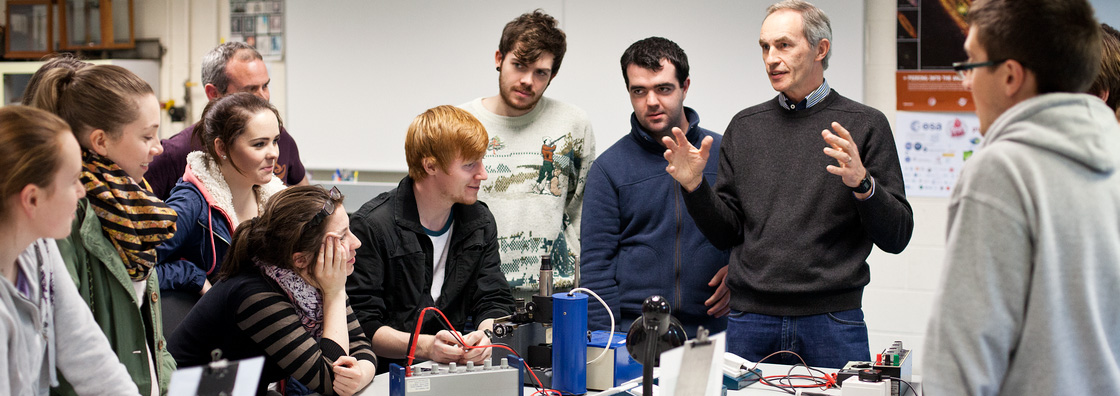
{"x":133,"y":218}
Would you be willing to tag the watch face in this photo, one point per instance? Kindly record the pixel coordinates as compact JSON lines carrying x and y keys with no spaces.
{"x":864,"y":185}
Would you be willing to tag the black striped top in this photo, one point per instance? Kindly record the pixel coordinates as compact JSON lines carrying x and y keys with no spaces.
{"x":249,"y":315}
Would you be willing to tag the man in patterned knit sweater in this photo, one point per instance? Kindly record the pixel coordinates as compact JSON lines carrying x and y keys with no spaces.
{"x":808,"y":182}
{"x":539,"y":153}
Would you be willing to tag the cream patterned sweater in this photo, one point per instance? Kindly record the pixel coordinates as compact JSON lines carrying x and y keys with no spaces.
{"x":537,"y":165}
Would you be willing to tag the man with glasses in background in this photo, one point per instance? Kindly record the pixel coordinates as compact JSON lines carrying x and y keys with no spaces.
{"x":431,"y":243}
{"x":1031,"y":278}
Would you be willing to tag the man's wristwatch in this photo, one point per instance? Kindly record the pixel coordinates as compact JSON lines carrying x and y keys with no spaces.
{"x":864,"y":185}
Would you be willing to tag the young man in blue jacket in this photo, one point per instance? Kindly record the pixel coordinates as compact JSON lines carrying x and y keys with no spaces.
{"x":638,"y":239}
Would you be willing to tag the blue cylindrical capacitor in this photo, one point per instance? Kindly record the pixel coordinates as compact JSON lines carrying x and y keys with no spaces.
{"x":569,"y":343}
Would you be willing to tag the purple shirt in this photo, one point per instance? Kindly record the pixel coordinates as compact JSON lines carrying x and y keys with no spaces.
{"x":167,"y":168}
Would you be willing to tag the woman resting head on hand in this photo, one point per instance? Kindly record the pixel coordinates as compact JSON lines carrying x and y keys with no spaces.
{"x":281,"y":293}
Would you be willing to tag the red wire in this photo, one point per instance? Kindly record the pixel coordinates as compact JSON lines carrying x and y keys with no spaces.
{"x":455,"y":333}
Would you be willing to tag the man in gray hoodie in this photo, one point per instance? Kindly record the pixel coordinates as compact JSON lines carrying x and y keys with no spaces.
{"x":1033,"y":253}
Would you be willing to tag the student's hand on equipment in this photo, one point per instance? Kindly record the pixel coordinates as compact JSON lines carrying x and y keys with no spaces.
{"x":444,"y":348}
{"x":686,"y":163}
{"x":843,"y":149}
{"x":331,"y":271}
{"x":348,"y":376}
{"x":718,"y":303}
{"x":477,"y":355}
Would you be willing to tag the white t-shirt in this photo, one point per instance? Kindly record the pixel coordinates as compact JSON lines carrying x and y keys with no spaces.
{"x":440,"y":246}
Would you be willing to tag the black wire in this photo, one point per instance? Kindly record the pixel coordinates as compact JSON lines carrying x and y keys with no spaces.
{"x":912,"y":388}
{"x":807,"y":367}
{"x":785,"y":383}
{"x":782,"y":387}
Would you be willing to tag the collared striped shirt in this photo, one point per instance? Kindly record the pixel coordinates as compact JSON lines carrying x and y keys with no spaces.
{"x":815,"y":97}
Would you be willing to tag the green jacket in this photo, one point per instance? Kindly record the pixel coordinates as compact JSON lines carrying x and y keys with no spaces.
{"x":103,"y":282}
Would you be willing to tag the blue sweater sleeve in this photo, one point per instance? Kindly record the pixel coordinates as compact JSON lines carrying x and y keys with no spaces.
{"x":180,"y":275}
{"x":175,"y":272}
{"x":601,"y":233}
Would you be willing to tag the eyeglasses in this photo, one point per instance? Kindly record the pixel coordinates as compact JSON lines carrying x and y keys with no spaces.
{"x":963,"y":69}
{"x":328,"y":207}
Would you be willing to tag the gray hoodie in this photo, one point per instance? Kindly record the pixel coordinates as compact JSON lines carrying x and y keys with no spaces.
{"x":51,"y":329}
{"x":1032,"y":262}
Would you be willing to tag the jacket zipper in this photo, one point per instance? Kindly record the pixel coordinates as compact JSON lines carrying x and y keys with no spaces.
{"x":677,"y":245}
{"x":213,"y":246}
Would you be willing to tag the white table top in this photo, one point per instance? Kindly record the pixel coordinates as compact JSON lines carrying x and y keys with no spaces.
{"x":380,"y":384}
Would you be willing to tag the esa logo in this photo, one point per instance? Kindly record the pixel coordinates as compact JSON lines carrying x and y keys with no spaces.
{"x":925,"y":126}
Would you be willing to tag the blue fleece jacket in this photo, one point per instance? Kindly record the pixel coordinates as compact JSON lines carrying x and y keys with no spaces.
{"x":637,"y":237}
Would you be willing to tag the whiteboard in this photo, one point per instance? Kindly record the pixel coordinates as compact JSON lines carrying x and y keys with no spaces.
{"x":358,"y":71}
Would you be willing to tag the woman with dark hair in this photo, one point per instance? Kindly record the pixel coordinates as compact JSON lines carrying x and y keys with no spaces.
{"x":111,"y":250}
{"x":281,"y":293}
{"x":227,"y":183}
{"x":44,"y":323}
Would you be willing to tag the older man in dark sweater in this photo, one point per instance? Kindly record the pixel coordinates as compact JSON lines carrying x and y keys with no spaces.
{"x":800,"y":222}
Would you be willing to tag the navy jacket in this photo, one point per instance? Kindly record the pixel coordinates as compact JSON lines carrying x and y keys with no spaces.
{"x":202,"y":235}
{"x":637,"y":237}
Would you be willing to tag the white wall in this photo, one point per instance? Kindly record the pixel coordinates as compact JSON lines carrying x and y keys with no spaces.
{"x":898,"y":302}
{"x":404,"y":57}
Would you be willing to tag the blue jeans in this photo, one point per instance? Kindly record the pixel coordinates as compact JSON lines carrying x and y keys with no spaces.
{"x":295,"y":388}
{"x":826,"y":340}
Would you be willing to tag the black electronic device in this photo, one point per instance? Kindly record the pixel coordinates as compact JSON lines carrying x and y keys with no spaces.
{"x":892,"y":362}
{"x":526,"y":333}
{"x":852,"y":369}
{"x":529,"y":329}
{"x":895,"y":362}
{"x":656,"y":331}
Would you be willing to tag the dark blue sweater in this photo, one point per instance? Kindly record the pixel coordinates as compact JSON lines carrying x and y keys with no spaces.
{"x":637,"y":237}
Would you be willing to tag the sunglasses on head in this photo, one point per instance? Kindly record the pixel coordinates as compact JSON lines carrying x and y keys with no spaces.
{"x":328,"y":207}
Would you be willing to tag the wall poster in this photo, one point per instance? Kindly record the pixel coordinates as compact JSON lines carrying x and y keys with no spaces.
{"x":930,"y":38}
{"x":932,"y":148}
{"x":259,"y":24}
